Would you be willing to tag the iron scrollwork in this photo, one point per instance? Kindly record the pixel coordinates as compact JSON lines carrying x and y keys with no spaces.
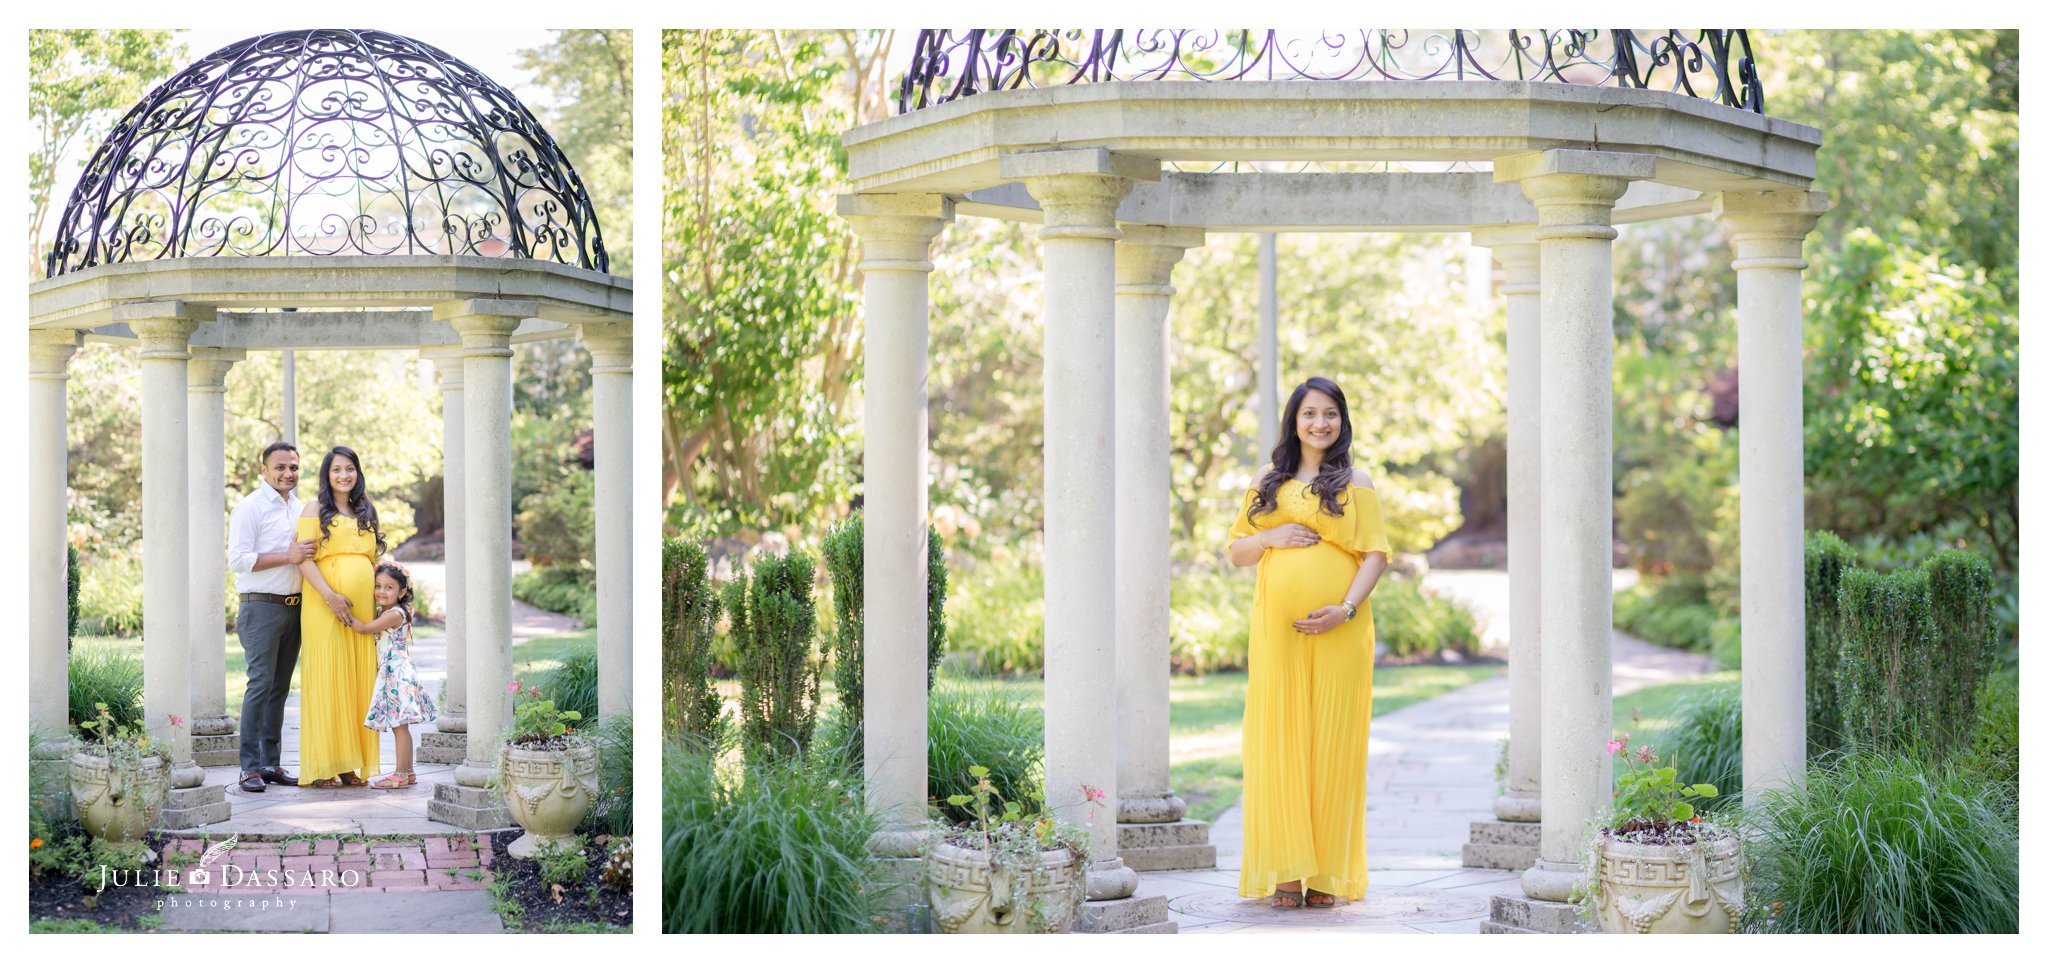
{"x":1714,"y":65}
{"x":328,"y":142}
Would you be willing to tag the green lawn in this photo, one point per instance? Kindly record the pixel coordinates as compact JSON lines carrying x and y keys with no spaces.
{"x":1646,"y":714}
{"x":528,"y":659}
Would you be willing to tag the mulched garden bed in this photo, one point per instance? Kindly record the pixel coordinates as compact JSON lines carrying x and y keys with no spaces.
{"x":585,"y":904}
{"x":62,"y":896}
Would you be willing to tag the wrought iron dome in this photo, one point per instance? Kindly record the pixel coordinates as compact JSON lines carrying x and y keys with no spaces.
{"x":327,"y":142}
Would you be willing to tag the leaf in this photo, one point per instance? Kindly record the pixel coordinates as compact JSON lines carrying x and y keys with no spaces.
{"x":1704,"y":789}
{"x":978,"y":772}
{"x":959,"y":800}
{"x":1681,"y":811}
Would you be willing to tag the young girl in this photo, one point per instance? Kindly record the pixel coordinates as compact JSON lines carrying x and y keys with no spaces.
{"x":398,"y":702}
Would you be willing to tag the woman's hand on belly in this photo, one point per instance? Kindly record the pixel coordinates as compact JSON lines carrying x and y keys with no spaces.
{"x":1321,"y":620}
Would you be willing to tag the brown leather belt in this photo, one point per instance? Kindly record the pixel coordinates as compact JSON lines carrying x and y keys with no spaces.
{"x":267,"y":597}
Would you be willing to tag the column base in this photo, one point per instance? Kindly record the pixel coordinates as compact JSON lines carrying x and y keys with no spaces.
{"x":1519,"y":914}
{"x":1161,"y":807}
{"x":217,"y":750}
{"x":186,"y":774}
{"x":901,"y":843}
{"x":195,"y":806}
{"x":468,"y":773}
{"x":1181,"y":844}
{"x":1551,"y":881}
{"x":452,"y":722}
{"x":1110,"y":879}
{"x":213,"y":725}
{"x":1132,"y":914}
{"x":49,"y":779}
{"x":1518,"y":808}
{"x":470,"y":807}
{"x":1503,"y":845}
{"x":442,"y":748}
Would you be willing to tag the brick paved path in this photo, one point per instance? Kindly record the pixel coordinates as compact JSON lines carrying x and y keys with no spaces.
{"x":332,"y":865}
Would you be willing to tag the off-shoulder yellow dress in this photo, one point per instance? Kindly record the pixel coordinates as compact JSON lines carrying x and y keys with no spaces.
{"x":337,"y":666}
{"x":1308,"y":701}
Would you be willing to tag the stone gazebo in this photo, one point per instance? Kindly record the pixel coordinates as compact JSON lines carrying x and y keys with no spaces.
{"x":325,"y":190}
{"x":1063,"y":128}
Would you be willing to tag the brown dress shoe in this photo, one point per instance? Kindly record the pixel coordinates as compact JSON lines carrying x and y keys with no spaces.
{"x":278,"y":776}
{"x":252,"y":782}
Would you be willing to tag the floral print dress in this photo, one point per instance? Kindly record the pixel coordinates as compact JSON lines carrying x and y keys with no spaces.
{"x":398,"y":699}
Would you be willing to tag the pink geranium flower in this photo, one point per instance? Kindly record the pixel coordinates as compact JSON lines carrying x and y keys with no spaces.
{"x":514,"y":687}
{"x":1614,"y":746}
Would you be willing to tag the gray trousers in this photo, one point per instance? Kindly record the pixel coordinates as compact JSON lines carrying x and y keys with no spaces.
{"x":270,"y":646}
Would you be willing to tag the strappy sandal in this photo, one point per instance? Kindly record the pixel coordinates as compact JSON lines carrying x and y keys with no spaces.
{"x":1287,"y":899}
{"x":351,"y":779}
{"x":1318,"y":899}
{"x":398,"y":779}
{"x":328,"y":783}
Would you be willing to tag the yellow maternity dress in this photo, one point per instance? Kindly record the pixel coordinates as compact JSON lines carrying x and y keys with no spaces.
{"x":1308,"y":701}
{"x":337,"y":666}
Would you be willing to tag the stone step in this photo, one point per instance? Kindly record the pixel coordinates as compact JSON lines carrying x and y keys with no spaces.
{"x":194,"y":807}
{"x":1169,"y":857}
{"x":1184,"y":832}
{"x":1489,"y":926}
{"x":1132,"y":914}
{"x":470,"y":807}
{"x":1535,"y":915}
{"x":1496,"y":856}
{"x":443,"y":748}
{"x":1496,"y":832}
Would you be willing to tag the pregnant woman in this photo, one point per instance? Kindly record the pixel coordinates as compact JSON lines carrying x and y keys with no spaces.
{"x":1312,"y":526}
{"x":338,"y":667}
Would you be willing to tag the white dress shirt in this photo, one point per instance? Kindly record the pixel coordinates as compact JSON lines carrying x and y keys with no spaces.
{"x":263,"y":522}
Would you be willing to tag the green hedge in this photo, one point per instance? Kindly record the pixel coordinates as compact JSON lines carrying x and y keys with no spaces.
{"x":691,"y":705}
{"x":774,"y":624}
{"x":843,"y":552}
{"x":71,"y":577}
{"x":1916,"y":644}
{"x":569,"y":589}
{"x":1827,"y":558}
{"x":1995,"y":745}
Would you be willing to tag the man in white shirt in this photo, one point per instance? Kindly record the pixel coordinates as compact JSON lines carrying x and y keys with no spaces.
{"x":264,"y":553}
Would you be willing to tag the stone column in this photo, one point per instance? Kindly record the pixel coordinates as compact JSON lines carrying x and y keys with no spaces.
{"x":485,"y":326}
{"x":1079,"y":192}
{"x":165,"y":329}
{"x":213,"y":742}
{"x":1766,"y":231}
{"x":49,"y":361}
{"x":1574,"y":193}
{"x":611,"y":386}
{"x":896,"y":232}
{"x":1151,"y":832}
{"x":1517,"y":250}
{"x":291,"y":397}
{"x":449,"y":743}
{"x":1268,"y":378}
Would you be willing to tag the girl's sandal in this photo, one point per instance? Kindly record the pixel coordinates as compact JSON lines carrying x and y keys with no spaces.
{"x":1287,"y":899}
{"x":396,"y":780}
{"x":1320,"y":900}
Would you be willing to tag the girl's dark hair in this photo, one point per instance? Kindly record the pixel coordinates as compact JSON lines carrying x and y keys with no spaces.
{"x":404,"y":602}
{"x":1333,"y":478}
{"x":358,"y":498}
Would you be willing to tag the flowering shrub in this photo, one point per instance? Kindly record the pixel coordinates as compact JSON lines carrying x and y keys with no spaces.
{"x":1649,"y":796}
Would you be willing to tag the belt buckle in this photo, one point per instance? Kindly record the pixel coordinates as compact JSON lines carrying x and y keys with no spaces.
{"x":291,"y":600}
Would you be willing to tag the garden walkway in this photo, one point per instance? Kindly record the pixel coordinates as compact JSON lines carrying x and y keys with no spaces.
{"x":1429,"y":776}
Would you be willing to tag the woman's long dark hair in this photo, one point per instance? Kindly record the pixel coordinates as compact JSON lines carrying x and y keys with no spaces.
{"x":1332,"y":478}
{"x":358,"y":498}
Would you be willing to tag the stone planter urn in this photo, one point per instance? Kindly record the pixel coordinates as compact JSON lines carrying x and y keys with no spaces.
{"x":1678,"y":888}
{"x":118,"y":801}
{"x":547,"y":791}
{"x":970,"y":895}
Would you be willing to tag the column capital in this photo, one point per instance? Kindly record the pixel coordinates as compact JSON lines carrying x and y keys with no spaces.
{"x":164,"y":327}
{"x":610,"y":346}
{"x":1146,"y":254}
{"x":50,"y":351}
{"x":1767,"y":229}
{"x":1516,"y":248}
{"x":207,"y":372}
{"x":1574,"y":190}
{"x":896,"y":230}
{"x":447,"y":359}
{"x":485,"y":324}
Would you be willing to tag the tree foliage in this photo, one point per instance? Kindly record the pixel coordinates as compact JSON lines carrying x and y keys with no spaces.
{"x":77,"y":80}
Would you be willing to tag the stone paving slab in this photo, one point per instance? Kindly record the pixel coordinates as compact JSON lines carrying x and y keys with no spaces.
{"x":336,"y":912}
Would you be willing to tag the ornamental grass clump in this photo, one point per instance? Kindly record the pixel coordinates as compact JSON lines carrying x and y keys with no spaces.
{"x":982,"y":724}
{"x":1707,"y":741}
{"x":1890,"y":842}
{"x":776,"y":847}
